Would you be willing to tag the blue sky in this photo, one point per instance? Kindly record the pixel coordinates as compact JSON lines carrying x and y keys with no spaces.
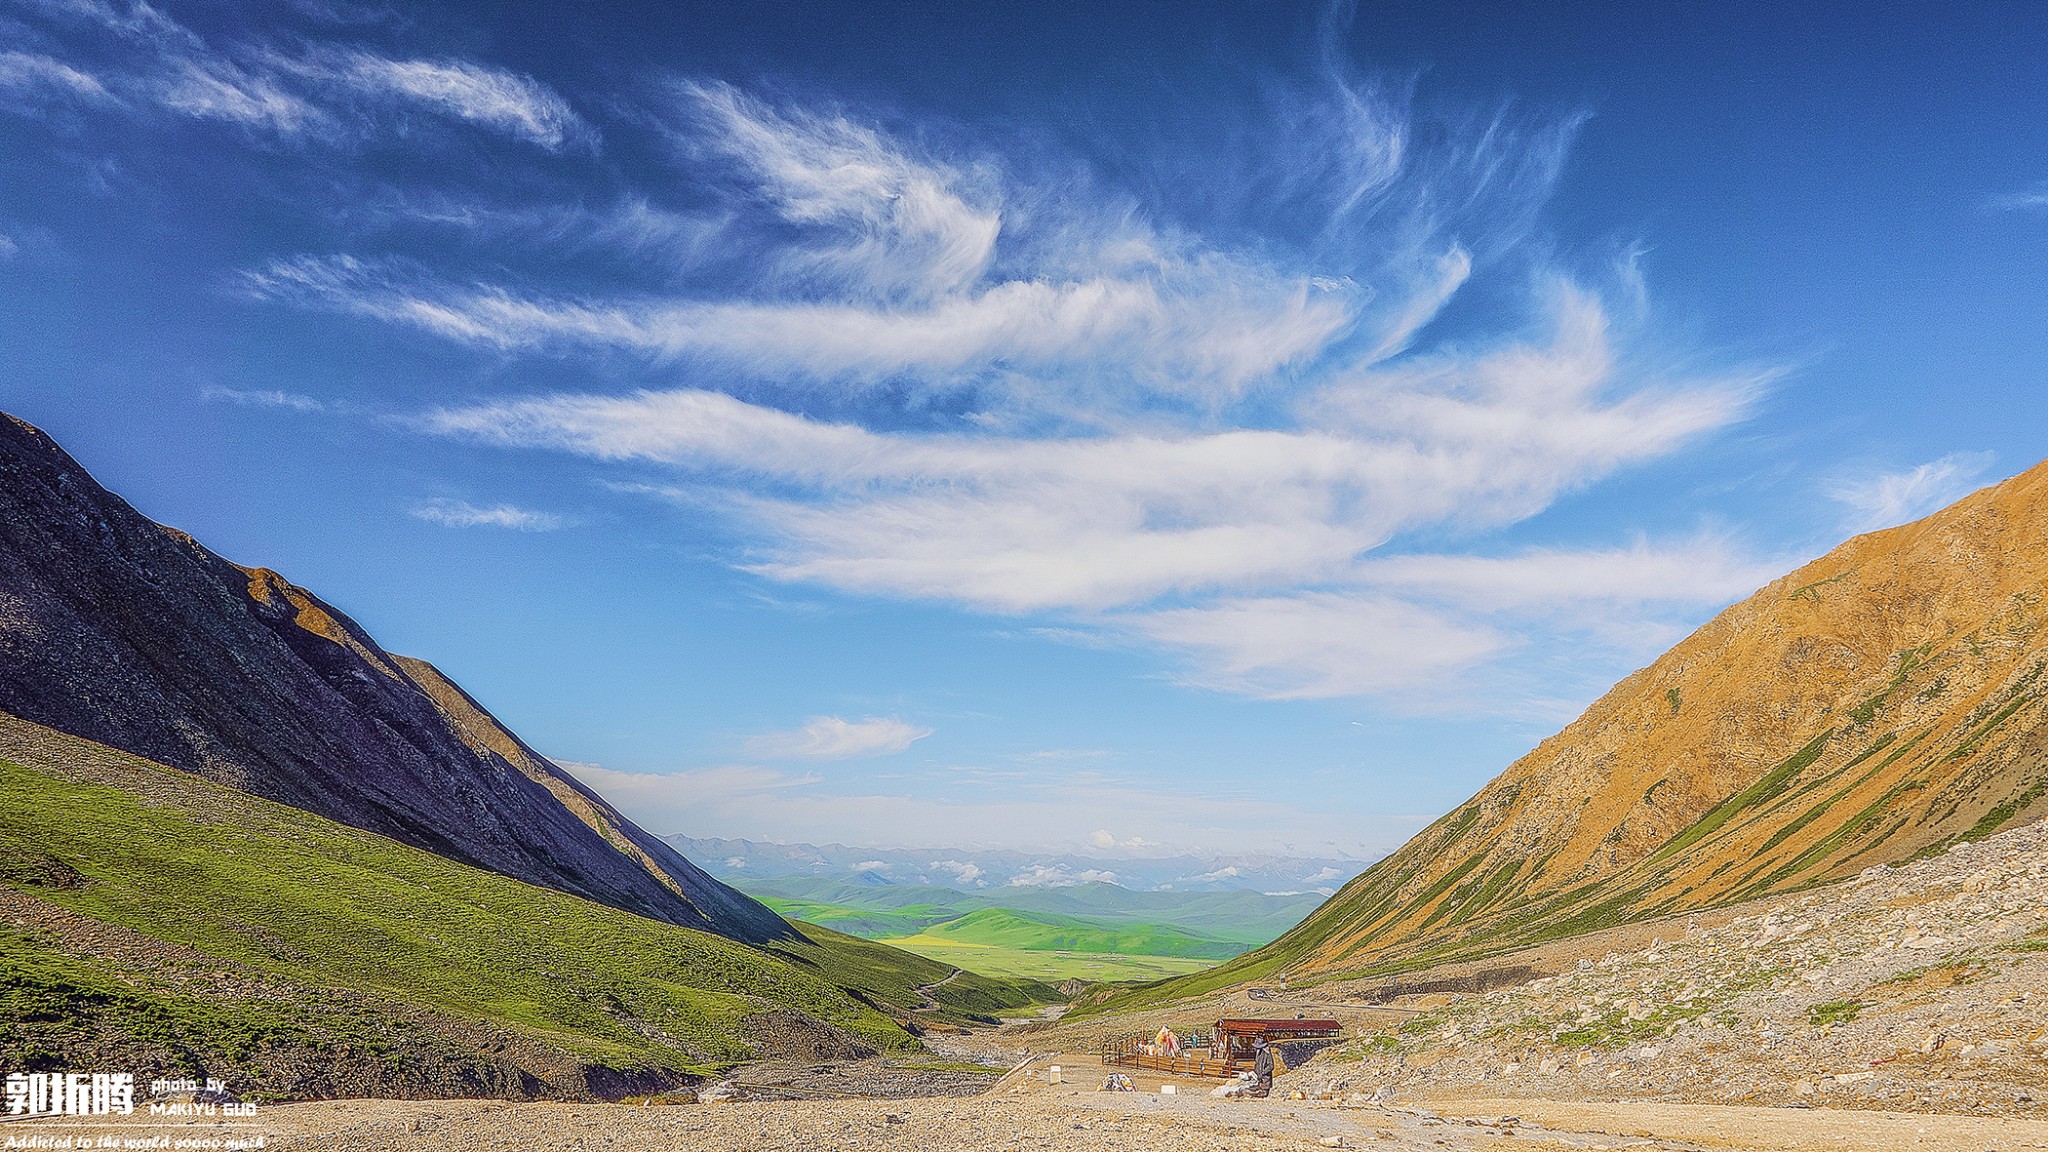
{"x":1160,"y":428}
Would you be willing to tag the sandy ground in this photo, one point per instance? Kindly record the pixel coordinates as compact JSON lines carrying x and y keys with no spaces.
{"x":1029,"y":1113}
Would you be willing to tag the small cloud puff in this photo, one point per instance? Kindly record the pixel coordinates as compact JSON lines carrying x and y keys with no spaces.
{"x":460,"y":514}
{"x":1104,"y":838}
{"x":1057,"y":876}
{"x":964,"y":872}
{"x":834,"y":738}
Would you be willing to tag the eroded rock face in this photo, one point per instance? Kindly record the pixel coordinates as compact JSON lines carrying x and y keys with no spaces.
{"x":1882,"y":701}
{"x":120,"y":630}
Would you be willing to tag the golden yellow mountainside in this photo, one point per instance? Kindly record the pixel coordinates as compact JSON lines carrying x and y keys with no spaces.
{"x":1882,"y":702}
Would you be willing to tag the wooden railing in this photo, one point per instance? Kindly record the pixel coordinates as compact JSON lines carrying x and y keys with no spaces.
{"x":1131,"y":1052}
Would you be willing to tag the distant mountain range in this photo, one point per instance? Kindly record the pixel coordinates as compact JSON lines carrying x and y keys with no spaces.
{"x":1879,"y":704}
{"x":1036,"y":915}
{"x":741,"y":861}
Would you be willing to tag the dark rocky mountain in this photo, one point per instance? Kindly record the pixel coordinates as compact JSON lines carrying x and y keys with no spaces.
{"x":123,"y":631}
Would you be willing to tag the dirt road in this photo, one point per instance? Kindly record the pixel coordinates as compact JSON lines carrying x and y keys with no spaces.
{"x":1046,"y":1117}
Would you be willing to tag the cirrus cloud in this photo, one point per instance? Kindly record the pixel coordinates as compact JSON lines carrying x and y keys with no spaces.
{"x":1884,"y":499}
{"x":945,"y":374}
{"x":834,"y":738}
{"x":462,"y":514}
{"x":139,"y":59}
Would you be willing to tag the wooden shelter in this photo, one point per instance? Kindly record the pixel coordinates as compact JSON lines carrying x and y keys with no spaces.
{"x":1223,"y":1053}
{"x":1234,"y":1037}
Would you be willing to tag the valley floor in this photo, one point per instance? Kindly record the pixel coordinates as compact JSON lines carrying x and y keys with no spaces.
{"x":1060,"y":1119}
{"x":1042,"y":964}
{"x":1901,"y":1010}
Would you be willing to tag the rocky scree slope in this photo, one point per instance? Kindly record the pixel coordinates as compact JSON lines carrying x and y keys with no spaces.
{"x":122,"y":631}
{"x":1882,"y":702}
{"x":1921,"y":987}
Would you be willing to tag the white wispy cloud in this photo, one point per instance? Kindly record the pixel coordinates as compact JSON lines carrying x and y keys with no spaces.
{"x":461,"y":514}
{"x":138,"y":22}
{"x":208,"y":87}
{"x":503,"y":101}
{"x":1017,"y":524}
{"x":894,"y":227}
{"x":630,"y":226}
{"x":1197,"y":441}
{"x":1195,"y":332}
{"x":33,"y":73}
{"x":1883,"y":499}
{"x":1318,"y":644}
{"x":1144,"y":488}
{"x":2028,"y":200}
{"x":148,"y":60}
{"x":263,"y":398}
{"x":1407,"y":625}
{"x":1699,"y":572}
{"x":834,"y":738}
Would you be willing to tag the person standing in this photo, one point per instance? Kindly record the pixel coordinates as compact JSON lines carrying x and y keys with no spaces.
{"x":1262,"y":1067}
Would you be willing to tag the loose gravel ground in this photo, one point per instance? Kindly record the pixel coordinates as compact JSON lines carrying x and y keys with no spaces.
{"x":1053,"y":1119}
{"x":1913,"y":988}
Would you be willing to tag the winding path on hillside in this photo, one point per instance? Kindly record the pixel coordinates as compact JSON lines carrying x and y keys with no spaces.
{"x":931,"y":1003}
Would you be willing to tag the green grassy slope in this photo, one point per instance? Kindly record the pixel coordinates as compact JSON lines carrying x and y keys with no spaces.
{"x":1003,"y":928}
{"x":168,"y":913}
{"x":899,"y":978}
{"x":872,"y":924}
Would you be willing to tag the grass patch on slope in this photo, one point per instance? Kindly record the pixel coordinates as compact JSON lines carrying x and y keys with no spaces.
{"x":1003,"y":928}
{"x":45,"y":988}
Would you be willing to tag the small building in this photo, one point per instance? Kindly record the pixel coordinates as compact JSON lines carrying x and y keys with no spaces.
{"x":1233,"y":1042}
{"x":1224,"y":1052}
